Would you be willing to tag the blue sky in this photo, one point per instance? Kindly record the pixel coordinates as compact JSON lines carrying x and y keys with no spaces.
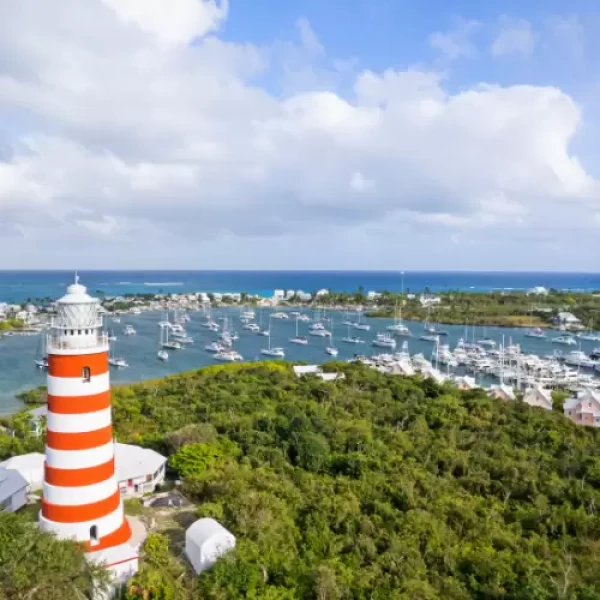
{"x":299,"y":134}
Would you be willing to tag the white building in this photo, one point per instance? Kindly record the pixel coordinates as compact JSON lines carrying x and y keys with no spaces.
{"x":567,"y":319}
{"x":279,"y":295}
{"x":205,"y":542}
{"x":429,"y":300}
{"x":13,"y":490}
{"x":373,"y":295}
{"x":138,"y":470}
{"x":289,"y":294}
{"x":30,"y":467}
{"x":323,"y":292}
{"x":537,"y":291}
{"x":317,"y":371}
{"x":538,"y":396}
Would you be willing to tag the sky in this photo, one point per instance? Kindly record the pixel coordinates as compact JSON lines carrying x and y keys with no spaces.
{"x":300,"y":134}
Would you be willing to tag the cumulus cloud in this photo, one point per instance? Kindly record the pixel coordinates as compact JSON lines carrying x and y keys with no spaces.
{"x":515,"y":37}
{"x":143,"y":153}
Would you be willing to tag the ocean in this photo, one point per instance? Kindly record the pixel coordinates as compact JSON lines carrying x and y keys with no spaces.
{"x":18,"y":286}
{"x":17,"y":354}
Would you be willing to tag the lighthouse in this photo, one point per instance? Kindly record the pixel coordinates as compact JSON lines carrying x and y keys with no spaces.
{"x":81,"y":498}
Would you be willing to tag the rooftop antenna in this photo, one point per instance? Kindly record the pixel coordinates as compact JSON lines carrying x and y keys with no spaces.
{"x":76,"y":278}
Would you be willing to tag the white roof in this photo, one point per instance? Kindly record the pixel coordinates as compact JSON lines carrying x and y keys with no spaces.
{"x":204,"y":529}
{"x":10,"y":483}
{"x":35,"y":460}
{"x":134,"y":461}
{"x":571,"y":403}
{"x":306,"y":369}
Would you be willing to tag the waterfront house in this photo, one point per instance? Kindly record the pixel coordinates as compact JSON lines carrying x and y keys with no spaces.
{"x":584,"y":409}
{"x":537,"y":291}
{"x":317,"y":371}
{"x":566,"y":319}
{"x":304,"y":296}
{"x":279,"y":295}
{"x":502,"y":392}
{"x":538,"y":396}
{"x":322,"y":292}
{"x":290,"y":294}
{"x":13,"y":490}
{"x":429,"y":300}
{"x":373,"y":295}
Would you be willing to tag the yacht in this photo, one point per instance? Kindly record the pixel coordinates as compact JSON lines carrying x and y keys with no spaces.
{"x":41,"y":355}
{"x":247,"y":315}
{"x":298,"y":339}
{"x":277,"y":352}
{"x":577,"y":358}
{"x":486,"y":341}
{"x":214,"y":347}
{"x":252,"y":327}
{"x":303,"y":318}
{"x":163,"y":355}
{"x":228,"y":356}
{"x":183,"y":338}
{"x":264,"y":332}
{"x":361,"y":326}
{"x":166,"y":343}
{"x":331,"y":349}
{"x":350,"y":339}
{"x":589,"y":337}
{"x":280,"y":315}
{"x":317,"y":327}
{"x":319,"y":332}
{"x":430,"y":338}
{"x":536,"y":332}
{"x":120,"y":363}
{"x":129,"y":330}
{"x":384,"y":340}
{"x":116,"y":319}
{"x":567,"y":340}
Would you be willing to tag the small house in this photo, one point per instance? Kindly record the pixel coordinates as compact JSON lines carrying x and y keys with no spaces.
{"x":29,"y":466}
{"x":502,"y":392}
{"x":205,"y":542}
{"x":13,"y":490}
{"x":538,"y":396}
{"x":584,"y":409}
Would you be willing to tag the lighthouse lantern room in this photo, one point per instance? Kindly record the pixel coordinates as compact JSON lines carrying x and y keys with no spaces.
{"x":81,"y":498}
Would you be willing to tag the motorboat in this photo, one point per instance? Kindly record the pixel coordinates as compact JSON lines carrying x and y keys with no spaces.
{"x":129,"y":330}
{"x":214,"y":347}
{"x":264,"y":332}
{"x":430,"y":338}
{"x":42,"y":363}
{"x":487,"y":342}
{"x":399,"y":329}
{"x":163,"y":355}
{"x":252,"y":327}
{"x":384,"y":340}
{"x":566,"y":340}
{"x":361,"y":326}
{"x":276,"y":352}
{"x":352,"y":340}
{"x":536,"y":332}
{"x":577,"y":358}
{"x":317,"y":327}
{"x":299,"y":340}
{"x":228,"y":356}
{"x":319,"y":333}
{"x":332,"y":350}
{"x":183,"y":338}
{"x":120,"y":363}
{"x":280,"y":315}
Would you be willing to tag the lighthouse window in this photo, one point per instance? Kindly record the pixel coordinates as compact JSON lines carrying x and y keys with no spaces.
{"x":87,"y":374}
{"x":94,"y":534}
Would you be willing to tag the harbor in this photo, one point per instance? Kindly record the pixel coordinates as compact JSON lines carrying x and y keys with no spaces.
{"x":148,"y":344}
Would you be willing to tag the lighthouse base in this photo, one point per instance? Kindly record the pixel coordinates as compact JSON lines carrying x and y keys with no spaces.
{"x":121,"y":561}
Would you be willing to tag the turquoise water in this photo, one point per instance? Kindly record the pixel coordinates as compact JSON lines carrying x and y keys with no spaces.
{"x":18,"y":286}
{"x":18,"y":372}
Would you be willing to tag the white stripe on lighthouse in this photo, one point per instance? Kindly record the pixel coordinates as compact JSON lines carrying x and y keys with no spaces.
{"x":89,"y":494}
{"x":80,"y":459}
{"x":79,"y":423}
{"x":71,"y":386}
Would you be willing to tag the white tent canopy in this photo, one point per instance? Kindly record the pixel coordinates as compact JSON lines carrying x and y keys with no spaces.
{"x":205,"y":542}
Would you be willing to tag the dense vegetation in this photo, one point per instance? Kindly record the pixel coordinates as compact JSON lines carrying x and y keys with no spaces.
{"x":375,"y":487}
{"x":505,"y":309}
{"x":11,"y":324}
{"x":37,"y":566}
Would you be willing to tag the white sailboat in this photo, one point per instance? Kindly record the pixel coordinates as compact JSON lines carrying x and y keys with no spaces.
{"x":298,"y":339}
{"x":166,"y":343}
{"x":163,"y":355}
{"x":398,"y":328}
{"x":349,"y":339}
{"x":276,"y":352}
{"x":41,"y":355}
{"x":114,"y":361}
{"x":331,"y":349}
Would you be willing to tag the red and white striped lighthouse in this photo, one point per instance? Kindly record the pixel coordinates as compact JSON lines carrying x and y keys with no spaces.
{"x":81,"y":498}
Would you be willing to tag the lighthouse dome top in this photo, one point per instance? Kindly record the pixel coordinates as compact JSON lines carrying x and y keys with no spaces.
{"x":77,"y":294}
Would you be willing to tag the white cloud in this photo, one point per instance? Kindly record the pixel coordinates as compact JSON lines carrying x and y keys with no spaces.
{"x":150,"y":155}
{"x":309,"y":38}
{"x":515,"y":37}
{"x":172,"y":21}
{"x":457,"y":43}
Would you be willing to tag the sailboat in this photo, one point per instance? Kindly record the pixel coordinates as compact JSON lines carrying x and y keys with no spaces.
{"x":276,"y":352}
{"x":114,"y":361}
{"x":535,"y":332}
{"x":164,"y":340}
{"x":360,"y":325}
{"x":331,"y":349}
{"x":590,"y":335}
{"x":41,"y":355}
{"x":486,"y":340}
{"x":398,"y":328}
{"x":299,"y":339}
{"x":163,"y":355}
{"x":349,"y":339}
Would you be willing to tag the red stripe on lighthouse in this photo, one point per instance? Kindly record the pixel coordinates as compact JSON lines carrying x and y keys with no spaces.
{"x":81,"y":513}
{"x":78,"y":405}
{"x":79,"y":477}
{"x":116,"y":538}
{"x":72,"y":366}
{"x":79,"y":441}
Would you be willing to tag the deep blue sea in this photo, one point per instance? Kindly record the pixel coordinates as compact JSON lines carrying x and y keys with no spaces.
{"x":17,"y":354}
{"x":18,"y":286}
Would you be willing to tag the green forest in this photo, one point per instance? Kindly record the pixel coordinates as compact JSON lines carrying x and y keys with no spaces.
{"x":374,"y":487}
